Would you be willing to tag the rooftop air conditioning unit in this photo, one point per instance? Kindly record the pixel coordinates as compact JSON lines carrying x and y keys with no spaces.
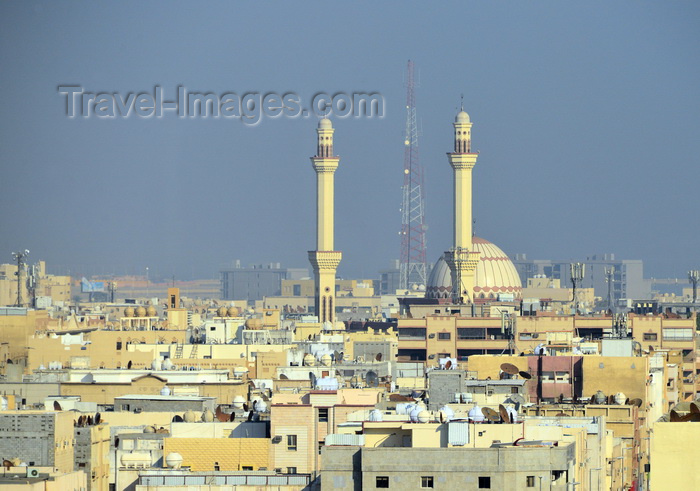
{"x":32,"y":472}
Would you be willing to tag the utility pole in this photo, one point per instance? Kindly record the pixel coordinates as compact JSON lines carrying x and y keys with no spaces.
{"x":20,"y":257}
{"x":412,"y":265}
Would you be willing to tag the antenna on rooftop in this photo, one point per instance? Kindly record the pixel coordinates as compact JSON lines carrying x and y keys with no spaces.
{"x":609,"y":278}
{"x":21,"y":258}
{"x":693,"y":277}
{"x":578,"y":271}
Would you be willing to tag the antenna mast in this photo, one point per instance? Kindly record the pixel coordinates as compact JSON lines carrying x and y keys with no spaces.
{"x":413,"y":244}
{"x":577,"y":274}
{"x":21,"y":258}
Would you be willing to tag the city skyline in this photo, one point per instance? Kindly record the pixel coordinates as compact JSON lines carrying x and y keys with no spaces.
{"x":585,"y":128}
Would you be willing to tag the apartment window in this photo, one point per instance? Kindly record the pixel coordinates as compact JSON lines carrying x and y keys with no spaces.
{"x":382,"y":482}
{"x":650,"y":336}
{"x":291,"y":470}
{"x":484,"y":482}
{"x":247,"y":468}
{"x":513,"y":390}
{"x":323,"y":415}
{"x":216,"y":466}
{"x":426,"y":482}
{"x":119,"y":345}
{"x":444,"y":336}
{"x":530,"y":481}
{"x":671,"y":334}
{"x":292,"y":442}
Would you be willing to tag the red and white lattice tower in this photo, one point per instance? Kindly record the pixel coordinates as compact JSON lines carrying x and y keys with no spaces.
{"x":413,"y":245}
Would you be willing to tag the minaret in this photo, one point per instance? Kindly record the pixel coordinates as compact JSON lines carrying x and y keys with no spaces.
{"x":324,"y":259}
{"x":461,"y":261}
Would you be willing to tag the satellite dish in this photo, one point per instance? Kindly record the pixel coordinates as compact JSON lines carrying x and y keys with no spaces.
{"x":128,"y":365}
{"x":503,"y":412}
{"x":312,"y":378}
{"x":56,"y":406}
{"x":442,"y":415}
{"x":517,"y":398}
{"x":81,"y":420}
{"x":336,"y":356}
{"x":221,"y":416}
{"x":674,"y":416}
{"x":341,"y":355}
{"x":378,"y":357}
{"x":283,"y":377}
{"x":448,"y":365}
{"x":7,"y":464}
{"x":636,"y":402}
{"x":490,"y":414}
{"x":694,"y":408}
{"x":510,"y":369}
{"x":399,"y":398}
{"x":98,"y":418}
{"x":525,"y":375}
{"x":177,"y":419}
{"x":372,"y":379}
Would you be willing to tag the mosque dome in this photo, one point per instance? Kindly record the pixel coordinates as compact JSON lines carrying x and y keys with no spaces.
{"x":495,"y":274}
{"x":462,"y":117}
{"x":325,"y":123}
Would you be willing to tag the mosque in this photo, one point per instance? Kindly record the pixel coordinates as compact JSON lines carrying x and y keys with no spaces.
{"x":474,"y":269}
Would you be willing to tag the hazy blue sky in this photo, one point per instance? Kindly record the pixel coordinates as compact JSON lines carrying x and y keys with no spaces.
{"x":586,"y":115}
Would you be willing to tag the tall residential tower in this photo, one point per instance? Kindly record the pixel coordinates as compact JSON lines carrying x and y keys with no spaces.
{"x":325,"y":259}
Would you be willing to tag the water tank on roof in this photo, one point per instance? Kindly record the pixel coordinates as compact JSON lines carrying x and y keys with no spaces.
{"x":599,"y":397}
{"x":173,"y":460}
{"x":156,"y":365}
{"x":309,"y":360}
{"x":260,"y":406}
{"x":620,"y":398}
{"x":165,"y":391}
{"x":449,"y":413}
{"x":423,"y":416}
{"x":376,"y":415}
{"x":136,"y":459}
{"x":238,"y":402}
{"x":475,"y":414}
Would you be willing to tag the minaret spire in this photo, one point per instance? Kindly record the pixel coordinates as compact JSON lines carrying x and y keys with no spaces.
{"x":324,"y":259}
{"x":460,"y":258}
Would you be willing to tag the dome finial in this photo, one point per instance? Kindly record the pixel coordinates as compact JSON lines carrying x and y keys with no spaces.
{"x":462,"y":102}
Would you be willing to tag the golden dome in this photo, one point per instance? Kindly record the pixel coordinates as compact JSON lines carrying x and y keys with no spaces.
{"x":495,"y":274}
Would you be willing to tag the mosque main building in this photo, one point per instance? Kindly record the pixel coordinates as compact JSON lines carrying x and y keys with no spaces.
{"x":473,"y":268}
